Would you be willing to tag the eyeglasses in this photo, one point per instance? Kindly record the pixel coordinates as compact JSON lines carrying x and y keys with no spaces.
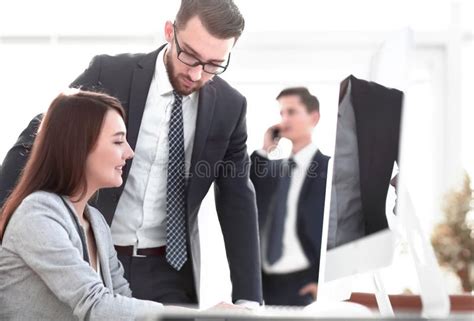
{"x":191,"y":61}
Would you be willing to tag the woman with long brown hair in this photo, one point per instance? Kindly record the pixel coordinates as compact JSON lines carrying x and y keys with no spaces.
{"x":57,"y":260}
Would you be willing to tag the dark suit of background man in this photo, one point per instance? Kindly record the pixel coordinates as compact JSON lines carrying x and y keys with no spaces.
{"x":367,"y":139}
{"x":290,"y":201}
{"x":179,"y":114}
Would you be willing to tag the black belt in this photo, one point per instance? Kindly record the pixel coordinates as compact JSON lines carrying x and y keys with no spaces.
{"x":152,"y":251}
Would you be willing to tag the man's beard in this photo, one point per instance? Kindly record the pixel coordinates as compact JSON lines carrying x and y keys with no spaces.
{"x":174,"y":80}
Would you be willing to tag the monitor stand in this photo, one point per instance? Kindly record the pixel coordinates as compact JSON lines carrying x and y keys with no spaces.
{"x":433,"y":293}
{"x":434,"y":296}
{"x":383,"y":302}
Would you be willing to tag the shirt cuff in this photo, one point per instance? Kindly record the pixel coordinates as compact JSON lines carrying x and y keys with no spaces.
{"x":262,"y":152}
{"x":252,"y":305}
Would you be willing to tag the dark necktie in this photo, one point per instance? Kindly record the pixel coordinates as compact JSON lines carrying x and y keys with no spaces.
{"x":176,"y":252}
{"x":277,"y":214}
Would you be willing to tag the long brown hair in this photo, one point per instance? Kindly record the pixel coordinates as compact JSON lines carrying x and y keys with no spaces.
{"x":68,"y":133}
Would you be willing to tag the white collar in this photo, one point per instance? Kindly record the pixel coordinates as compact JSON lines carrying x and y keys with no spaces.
{"x":305,"y":155}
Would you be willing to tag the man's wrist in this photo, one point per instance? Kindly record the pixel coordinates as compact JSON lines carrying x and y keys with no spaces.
{"x":252,"y":305}
{"x":262,"y":152}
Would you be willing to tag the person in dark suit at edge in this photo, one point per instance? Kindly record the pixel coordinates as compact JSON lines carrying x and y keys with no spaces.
{"x":290,"y":200}
{"x":181,"y":115}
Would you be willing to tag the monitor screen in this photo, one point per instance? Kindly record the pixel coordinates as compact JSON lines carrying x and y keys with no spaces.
{"x":366,"y":152}
{"x":363,"y":168}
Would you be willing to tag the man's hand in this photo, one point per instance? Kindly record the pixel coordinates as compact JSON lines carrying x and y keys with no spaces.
{"x":223,"y":305}
{"x":311,"y":288}
{"x":271,"y":138}
{"x":228,"y":306}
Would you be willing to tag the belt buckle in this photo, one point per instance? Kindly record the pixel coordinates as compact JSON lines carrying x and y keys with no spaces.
{"x":135,"y":250}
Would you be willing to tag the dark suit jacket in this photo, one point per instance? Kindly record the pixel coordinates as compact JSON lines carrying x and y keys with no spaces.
{"x":220,"y":138}
{"x":377,"y":111}
{"x":264,"y":176}
{"x":16,"y":158}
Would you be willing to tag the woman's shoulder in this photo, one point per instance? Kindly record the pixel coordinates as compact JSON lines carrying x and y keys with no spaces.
{"x":39,"y":210}
{"x":42,"y":195}
{"x":38,"y":204}
{"x":39,"y":200}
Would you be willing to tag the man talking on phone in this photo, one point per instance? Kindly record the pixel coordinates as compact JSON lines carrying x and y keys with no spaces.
{"x":290,"y":200}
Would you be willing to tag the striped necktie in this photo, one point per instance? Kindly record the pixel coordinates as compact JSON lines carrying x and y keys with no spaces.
{"x":176,"y":251}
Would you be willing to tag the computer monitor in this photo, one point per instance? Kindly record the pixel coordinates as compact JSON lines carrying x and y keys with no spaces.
{"x":355,"y":228}
{"x":369,"y":140}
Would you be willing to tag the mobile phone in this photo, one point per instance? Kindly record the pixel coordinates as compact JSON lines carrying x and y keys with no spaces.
{"x":275,"y":133}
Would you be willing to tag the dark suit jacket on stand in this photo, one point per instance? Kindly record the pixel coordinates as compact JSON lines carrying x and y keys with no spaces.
{"x":220,"y":137}
{"x":264,"y":174}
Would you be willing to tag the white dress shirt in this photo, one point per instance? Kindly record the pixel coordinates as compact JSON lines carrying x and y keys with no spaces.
{"x":140,"y":217}
{"x":293,"y":258}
